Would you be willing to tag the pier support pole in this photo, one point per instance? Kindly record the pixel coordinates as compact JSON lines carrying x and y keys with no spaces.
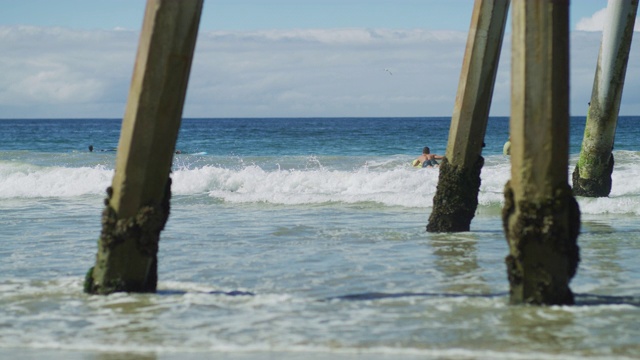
{"x":592,"y":175}
{"x":138,"y":204}
{"x":540,"y":216}
{"x":456,"y":199}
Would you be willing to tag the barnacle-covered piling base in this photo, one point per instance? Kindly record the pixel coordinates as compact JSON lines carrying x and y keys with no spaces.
{"x":599,"y":186}
{"x":543,"y":250}
{"x":127,"y":249}
{"x":456,"y":199}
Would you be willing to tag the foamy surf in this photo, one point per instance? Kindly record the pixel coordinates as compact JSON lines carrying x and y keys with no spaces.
{"x":383,"y":181}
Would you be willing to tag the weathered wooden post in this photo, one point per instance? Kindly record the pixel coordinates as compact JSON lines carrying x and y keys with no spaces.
{"x":456,"y":199}
{"x":540,"y":216}
{"x":138,"y":204}
{"x":592,"y":175}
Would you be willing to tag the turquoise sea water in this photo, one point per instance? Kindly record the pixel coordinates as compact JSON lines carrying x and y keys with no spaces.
{"x":300,"y":239}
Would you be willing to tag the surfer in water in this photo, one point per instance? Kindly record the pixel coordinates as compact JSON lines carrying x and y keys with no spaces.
{"x":506,"y":149}
{"x":427,"y":159}
{"x":112,"y":149}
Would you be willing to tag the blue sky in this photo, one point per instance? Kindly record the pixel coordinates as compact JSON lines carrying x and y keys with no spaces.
{"x":266,"y":58}
{"x":264,"y":14}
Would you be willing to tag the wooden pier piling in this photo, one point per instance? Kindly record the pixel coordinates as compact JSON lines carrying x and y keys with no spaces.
{"x":456,"y":199}
{"x":592,"y":174}
{"x":541,"y":218}
{"x":138,"y":204}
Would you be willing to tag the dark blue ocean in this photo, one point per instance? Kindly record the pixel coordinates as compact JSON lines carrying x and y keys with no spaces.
{"x":321,"y":223}
{"x":242,"y":137}
{"x":282,"y":136}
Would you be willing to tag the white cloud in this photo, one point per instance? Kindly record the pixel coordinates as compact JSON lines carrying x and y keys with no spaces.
{"x":596,"y":22}
{"x":334,"y":72}
{"x":54,"y":82}
{"x":55,"y":72}
{"x":593,"y":23}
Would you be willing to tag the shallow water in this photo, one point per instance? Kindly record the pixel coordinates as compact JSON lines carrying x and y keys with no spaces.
{"x":356,"y":282}
{"x":327,"y":258}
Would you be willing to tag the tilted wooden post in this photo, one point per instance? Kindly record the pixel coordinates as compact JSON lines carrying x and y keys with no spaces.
{"x":138,"y":204}
{"x":592,"y":175}
{"x":456,"y":199}
{"x":540,"y":216}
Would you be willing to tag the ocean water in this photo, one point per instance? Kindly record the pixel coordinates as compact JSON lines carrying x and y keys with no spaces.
{"x":301,"y":239}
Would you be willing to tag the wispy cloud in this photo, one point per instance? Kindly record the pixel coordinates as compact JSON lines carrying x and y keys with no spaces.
{"x":596,"y":22}
{"x":331,"y":72}
{"x":57,"y":72}
{"x":50,"y":71}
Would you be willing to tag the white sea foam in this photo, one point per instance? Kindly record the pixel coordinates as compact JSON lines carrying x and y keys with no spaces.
{"x":31,"y":181}
{"x":387,"y":182}
{"x":397,"y":187}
